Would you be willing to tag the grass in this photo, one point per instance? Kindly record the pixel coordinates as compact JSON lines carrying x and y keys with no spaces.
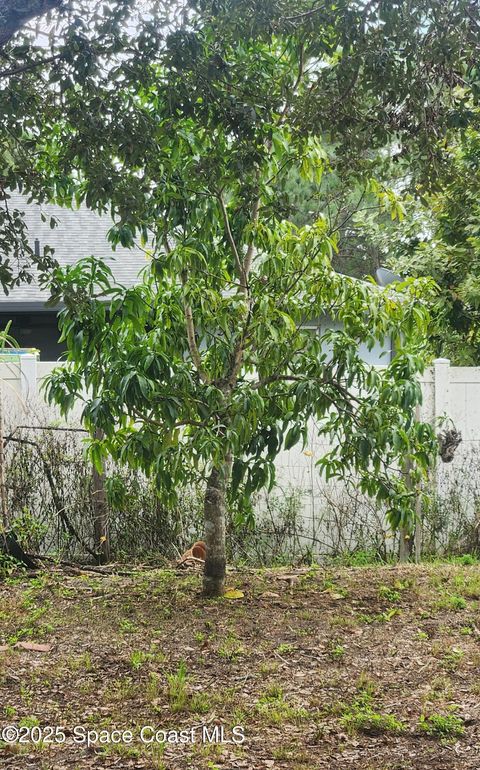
{"x":447,"y":726}
{"x":274,"y":708}
{"x":361,"y":717}
{"x":310,"y":671}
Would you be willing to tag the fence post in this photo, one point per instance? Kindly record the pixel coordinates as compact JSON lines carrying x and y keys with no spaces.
{"x":441,"y":386}
{"x":441,"y":403}
{"x":28,"y":375}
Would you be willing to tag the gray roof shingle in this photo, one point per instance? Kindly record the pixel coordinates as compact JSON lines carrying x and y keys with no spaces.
{"x":79,"y":233}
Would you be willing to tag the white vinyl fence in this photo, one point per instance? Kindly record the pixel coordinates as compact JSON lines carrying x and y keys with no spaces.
{"x":333,"y":518}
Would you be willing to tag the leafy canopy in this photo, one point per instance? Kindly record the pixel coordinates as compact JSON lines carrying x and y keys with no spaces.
{"x":208,"y":360}
{"x":441,"y":238}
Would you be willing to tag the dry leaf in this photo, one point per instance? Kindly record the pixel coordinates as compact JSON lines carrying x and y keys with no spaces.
{"x":233,"y":593}
{"x":34,"y":647}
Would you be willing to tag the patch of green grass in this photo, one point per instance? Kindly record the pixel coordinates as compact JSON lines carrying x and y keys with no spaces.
{"x":153,"y":686}
{"x":231,"y":648}
{"x":29,"y":722}
{"x":360,"y":558}
{"x":342,"y":621}
{"x":451,"y":602}
{"x":388,"y":593}
{"x":446,"y":726}
{"x":126,"y":626}
{"x":83,"y":661}
{"x":452,"y":658}
{"x":268,"y":667}
{"x":361,"y":717}
{"x":336,"y":650}
{"x":381,"y":617}
{"x":421,"y":636}
{"x":180,"y":697}
{"x":177,"y":690}
{"x":31,"y":626}
{"x":365,"y":684}
{"x":274,"y":708}
{"x":138,"y":658}
{"x":118,"y":750}
{"x":336,"y":591}
{"x":121,"y":689}
{"x":440,"y":688}
{"x":285,"y":648}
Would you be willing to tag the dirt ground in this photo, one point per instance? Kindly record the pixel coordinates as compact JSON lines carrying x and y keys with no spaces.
{"x":342,"y":668}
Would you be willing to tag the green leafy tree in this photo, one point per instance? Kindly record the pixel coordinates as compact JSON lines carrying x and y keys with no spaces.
{"x":206,"y":370}
{"x":441,"y":239}
{"x":76,"y":79}
{"x":49,"y":51}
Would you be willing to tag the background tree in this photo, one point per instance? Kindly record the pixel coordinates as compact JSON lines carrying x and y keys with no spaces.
{"x":440,"y":237}
{"x":51,"y":50}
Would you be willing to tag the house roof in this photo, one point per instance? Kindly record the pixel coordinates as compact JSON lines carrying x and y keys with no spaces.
{"x":79,"y":233}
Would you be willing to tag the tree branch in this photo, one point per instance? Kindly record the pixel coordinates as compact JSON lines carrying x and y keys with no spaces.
{"x":231,"y":240}
{"x":15,"y":13}
{"x":29,"y":66}
{"x":191,"y":337}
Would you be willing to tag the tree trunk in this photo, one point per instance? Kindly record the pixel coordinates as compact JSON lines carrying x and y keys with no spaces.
{"x":405,"y":546}
{"x":214,"y":516}
{"x":100,"y":513}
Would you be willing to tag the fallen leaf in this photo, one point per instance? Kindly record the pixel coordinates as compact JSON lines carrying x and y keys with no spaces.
{"x":269,"y":595}
{"x":34,"y":647}
{"x":233,"y":593}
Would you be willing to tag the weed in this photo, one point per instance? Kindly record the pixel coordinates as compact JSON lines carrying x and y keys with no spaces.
{"x":138,"y":658}
{"x":83,"y":661}
{"x":366,"y":685}
{"x":452,"y":658}
{"x":336,"y":651}
{"x":275,"y":709}
{"x":29,"y":722}
{"x":177,"y":688}
{"x":362,"y":717}
{"x":421,"y":636}
{"x":285,"y":648}
{"x":342,"y":621}
{"x":441,"y":688}
{"x":451,"y":602}
{"x":268,"y":667}
{"x":231,"y":648}
{"x":389,"y":594}
{"x":153,"y":686}
{"x":126,"y":626}
{"x":446,"y":726}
